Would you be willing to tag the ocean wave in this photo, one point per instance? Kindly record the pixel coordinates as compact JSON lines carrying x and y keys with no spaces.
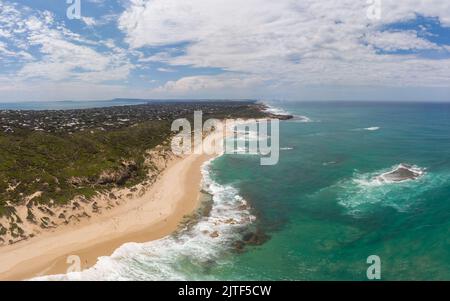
{"x":300,"y":119}
{"x":182,"y":256}
{"x":371,"y":129}
{"x":279,"y":111}
{"x":399,"y":173}
{"x":250,"y":136}
{"x":249,"y":147}
{"x":275,"y":110}
{"x":367,"y":193}
{"x":245,"y":151}
{"x":398,"y":187}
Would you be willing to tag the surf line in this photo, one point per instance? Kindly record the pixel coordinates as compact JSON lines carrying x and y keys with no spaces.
{"x":187,"y":141}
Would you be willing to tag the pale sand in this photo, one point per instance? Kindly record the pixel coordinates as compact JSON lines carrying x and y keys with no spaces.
{"x":156,"y":214}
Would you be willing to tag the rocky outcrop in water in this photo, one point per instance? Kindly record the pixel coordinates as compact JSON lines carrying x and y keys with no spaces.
{"x":402,"y":172}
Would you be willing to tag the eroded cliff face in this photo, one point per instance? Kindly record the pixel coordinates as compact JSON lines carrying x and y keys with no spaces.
{"x":30,"y":218}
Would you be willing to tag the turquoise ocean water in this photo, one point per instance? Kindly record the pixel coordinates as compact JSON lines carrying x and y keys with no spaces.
{"x":324,"y":213}
{"x":320,"y":212}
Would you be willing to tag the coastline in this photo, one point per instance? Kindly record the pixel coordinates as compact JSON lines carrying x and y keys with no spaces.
{"x":156,"y":214}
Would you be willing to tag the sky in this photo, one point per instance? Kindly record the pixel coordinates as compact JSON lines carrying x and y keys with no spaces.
{"x":259,"y":49}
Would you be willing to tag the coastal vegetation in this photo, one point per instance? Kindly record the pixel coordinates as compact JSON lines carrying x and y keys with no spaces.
{"x":50,"y":157}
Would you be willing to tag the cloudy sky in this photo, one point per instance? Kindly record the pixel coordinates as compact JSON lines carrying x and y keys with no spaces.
{"x":285,"y":49}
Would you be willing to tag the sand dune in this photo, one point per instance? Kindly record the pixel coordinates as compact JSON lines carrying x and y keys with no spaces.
{"x":155,"y":214}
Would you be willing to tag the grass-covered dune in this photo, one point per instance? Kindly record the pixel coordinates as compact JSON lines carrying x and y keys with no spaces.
{"x":62,"y":166}
{"x":101,"y":149}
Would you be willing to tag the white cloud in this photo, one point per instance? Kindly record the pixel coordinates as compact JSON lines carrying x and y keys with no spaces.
{"x":293,"y":43}
{"x":207,"y":83}
{"x":165,"y":69}
{"x":64,"y":55}
{"x":12,"y":91}
{"x":396,"y":40}
{"x":4,"y":50}
{"x":89,"y":21}
{"x":64,"y":59}
{"x":264,"y":47}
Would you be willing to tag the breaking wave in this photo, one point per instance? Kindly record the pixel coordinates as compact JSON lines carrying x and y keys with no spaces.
{"x":371,"y":129}
{"x":274,"y":110}
{"x":366,"y":193}
{"x":185,"y":255}
{"x":279,"y":111}
{"x":300,"y":119}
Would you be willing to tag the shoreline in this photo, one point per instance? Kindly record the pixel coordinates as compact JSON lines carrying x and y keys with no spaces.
{"x":147,"y":218}
{"x":156,"y":214}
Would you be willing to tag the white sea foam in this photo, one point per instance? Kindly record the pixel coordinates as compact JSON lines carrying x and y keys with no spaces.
{"x":367,"y":191}
{"x":248,"y":137}
{"x":371,"y":129}
{"x":382,"y":177}
{"x":275,"y":110}
{"x":245,"y":151}
{"x":251,"y":136}
{"x":286,"y":148}
{"x":184,"y":255}
{"x":279,"y":111}
{"x":301,"y":119}
{"x":415,"y":173}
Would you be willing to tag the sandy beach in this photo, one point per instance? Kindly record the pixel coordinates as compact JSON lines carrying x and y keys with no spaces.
{"x":156,"y":214}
